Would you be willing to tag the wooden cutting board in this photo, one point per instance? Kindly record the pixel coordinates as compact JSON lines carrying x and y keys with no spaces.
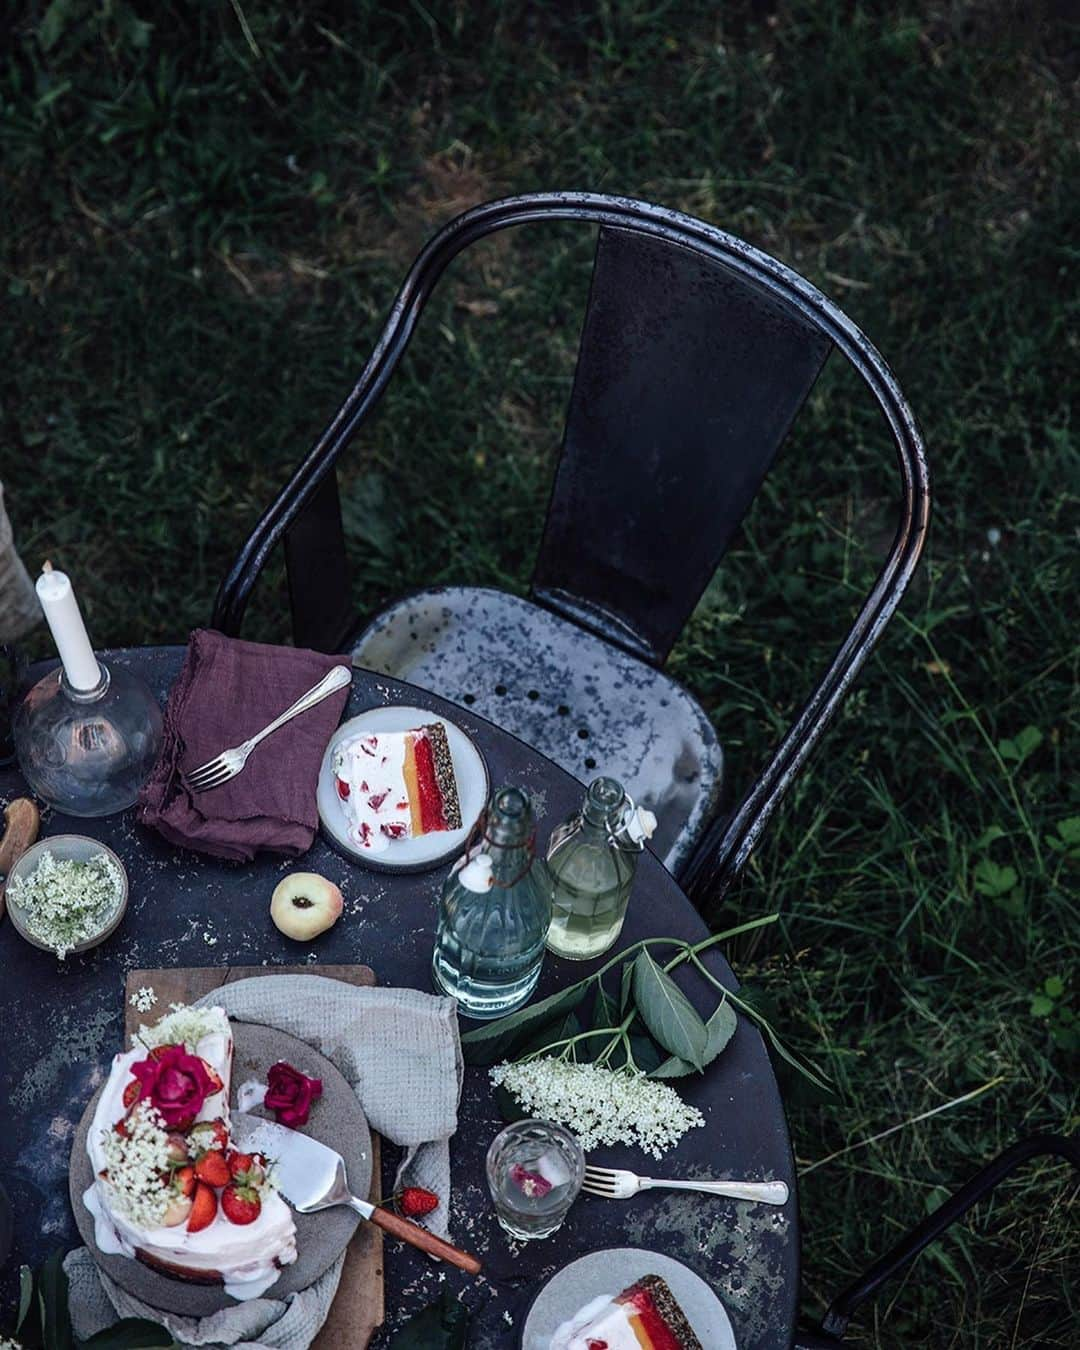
{"x":358,"y":1306}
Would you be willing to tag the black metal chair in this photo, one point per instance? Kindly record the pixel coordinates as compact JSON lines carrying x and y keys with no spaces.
{"x":696,"y":356}
{"x":829,"y":1333}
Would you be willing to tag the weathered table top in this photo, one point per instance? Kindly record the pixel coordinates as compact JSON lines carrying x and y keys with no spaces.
{"x":63,"y":1022}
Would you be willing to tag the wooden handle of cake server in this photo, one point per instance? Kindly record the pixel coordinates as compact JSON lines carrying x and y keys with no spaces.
{"x":21,"y":822}
{"x":408,"y":1231}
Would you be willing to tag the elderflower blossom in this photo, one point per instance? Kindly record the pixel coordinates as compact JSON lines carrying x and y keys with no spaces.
{"x":134,"y":1162}
{"x":64,"y":902}
{"x":600,"y":1106}
{"x":182,"y":1025}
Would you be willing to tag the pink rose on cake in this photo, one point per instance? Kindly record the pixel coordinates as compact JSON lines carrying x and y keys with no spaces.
{"x":175,"y":1083}
{"x":289,"y":1094}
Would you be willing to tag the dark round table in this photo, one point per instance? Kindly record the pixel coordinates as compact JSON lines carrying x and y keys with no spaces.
{"x":62,"y":1022}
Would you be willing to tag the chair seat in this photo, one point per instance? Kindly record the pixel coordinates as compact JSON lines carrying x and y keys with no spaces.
{"x":588,"y":706}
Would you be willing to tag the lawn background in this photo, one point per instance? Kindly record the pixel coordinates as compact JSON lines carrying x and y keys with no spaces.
{"x":206,"y":208}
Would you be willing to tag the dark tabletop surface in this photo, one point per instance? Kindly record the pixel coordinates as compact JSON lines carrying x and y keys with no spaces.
{"x":62,"y":1023}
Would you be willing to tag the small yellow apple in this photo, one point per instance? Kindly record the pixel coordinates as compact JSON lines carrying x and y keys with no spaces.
{"x":305,"y":905}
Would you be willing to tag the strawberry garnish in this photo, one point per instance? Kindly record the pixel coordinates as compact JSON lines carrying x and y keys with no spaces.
{"x":393,"y":829}
{"x":240,"y":1204}
{"x":215,"y":1078}
{"x":132,"y":1093}
{"x":342,"y":789}
{"x":212,"y":1168}
{"x":377,"y":798}
{"x":203,"y":1207}
{"x":414,"y":1202}
{"x":184,"y":1179}
{"x":245,"y":1167}
{"x":159,"y":1050}
{"x":210,"y":1134}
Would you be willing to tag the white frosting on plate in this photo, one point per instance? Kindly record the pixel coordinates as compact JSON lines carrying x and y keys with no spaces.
{"x":377,"y":805}
{"x":248,"y":1257}
{"x":601,"y":1319}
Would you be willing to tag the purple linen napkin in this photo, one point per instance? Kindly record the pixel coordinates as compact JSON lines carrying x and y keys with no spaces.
{"x":226,"y":691}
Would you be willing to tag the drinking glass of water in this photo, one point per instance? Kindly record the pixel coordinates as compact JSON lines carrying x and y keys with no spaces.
{"x":534,"y":1170}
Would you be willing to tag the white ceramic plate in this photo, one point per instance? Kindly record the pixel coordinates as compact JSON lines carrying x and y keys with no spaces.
{"x":429,"y":850}
{"x":611,"y":1271}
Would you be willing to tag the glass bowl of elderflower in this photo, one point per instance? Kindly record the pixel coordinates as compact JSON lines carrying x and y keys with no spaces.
{"x":67,"y":894}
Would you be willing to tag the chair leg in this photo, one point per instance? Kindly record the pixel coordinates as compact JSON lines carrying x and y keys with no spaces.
{"x":843,"y":1308}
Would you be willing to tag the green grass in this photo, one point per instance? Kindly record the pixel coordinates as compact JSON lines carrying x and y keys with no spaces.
{"x":203,"y":224}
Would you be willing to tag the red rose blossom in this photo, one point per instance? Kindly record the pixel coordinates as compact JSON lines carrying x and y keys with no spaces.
{"x":289,"y":1094}
{"x":175,"y":1083}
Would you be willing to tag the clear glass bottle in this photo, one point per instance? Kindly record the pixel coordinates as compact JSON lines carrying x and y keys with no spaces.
{"x":592,"y":858}
{"x":494,"y":913}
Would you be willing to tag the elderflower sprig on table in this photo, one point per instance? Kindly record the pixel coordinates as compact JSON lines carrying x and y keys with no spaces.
{"x":599,"y":1105}
{"x":625,"y":1045}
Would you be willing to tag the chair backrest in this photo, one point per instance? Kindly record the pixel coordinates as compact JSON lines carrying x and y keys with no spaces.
{"x":697,"y":352}
{"x":688,"y":378}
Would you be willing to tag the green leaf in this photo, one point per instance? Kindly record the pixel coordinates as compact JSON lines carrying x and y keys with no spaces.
{"x":26,"y":1294}
{"x":53,"y":1293}
{"x":54,"y":21}
{"x":992,"y":880}
{"x":1069,"y":829}
{"x":667,"y":1012}
{"x":1041,"y":1006}
{"x":989,"y":836}
{"x":1020,"y":746}
{"x":605,"y":1014}
{"x":625,"y":987}
{"x":498,"y":1040}
{"x":1054,"y":985}
{"x":720,"y":1028}
{"x":442,"y":1325}
{"x":509,"y":1107}
{"x":132,"y":1333}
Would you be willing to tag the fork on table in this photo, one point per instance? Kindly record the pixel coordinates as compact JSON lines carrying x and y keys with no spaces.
{"x":614,"y":1184}
{"x":229,"y":763}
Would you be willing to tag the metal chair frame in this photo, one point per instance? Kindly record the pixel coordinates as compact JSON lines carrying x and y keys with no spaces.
{"x":306,"y":514}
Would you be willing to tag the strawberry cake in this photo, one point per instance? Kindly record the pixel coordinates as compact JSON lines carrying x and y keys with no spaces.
{"x":646,"y":1316}
{"x":169,"y":1188}
{"x":396,"y":785}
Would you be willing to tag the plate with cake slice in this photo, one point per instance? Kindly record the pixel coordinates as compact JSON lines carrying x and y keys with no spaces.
{"x":626,"y":1298}
{"x":401,"y":788}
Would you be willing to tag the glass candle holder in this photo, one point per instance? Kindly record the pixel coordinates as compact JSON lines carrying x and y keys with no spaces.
{"x":534,"y":1171}
{"x":88,"y":752}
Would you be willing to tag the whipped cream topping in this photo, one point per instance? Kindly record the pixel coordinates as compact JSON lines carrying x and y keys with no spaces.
{"x":248,"y":1257}
{"x":374,"y":799}
{"x":602,"y":1319}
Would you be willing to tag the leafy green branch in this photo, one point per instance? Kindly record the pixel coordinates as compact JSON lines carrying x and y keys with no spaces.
{"x":653,"y":1028}
{"x":43,"y":1321}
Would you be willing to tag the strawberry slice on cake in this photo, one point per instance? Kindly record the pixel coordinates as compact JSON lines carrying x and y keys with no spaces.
{"x":396,"y":785}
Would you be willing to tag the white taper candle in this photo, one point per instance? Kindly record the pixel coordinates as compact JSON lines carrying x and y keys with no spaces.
{"x":65,"y":621}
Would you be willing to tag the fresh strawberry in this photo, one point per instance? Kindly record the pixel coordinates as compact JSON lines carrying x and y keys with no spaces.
{"x":209,"y":1134}
{"x":132,"y":1093}
{"x":184,"y":1180}
{"x":121,"y":1128}
{"x":244,"y":1165}
{"x":393,"y":829}
{"x":159,"y":1050}
{"x":240,"y":1204}
{"x":212,"y":1168}
{"x":342,"y":789}
{"x":414,"y":1202}
{"x":203,"y":1207}
{"x":176,"y":1148}
{"x":214,"y":1076}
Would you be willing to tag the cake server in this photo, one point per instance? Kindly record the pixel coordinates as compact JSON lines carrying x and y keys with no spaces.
{"x":614,"y":1184}
{"x":311,"y":1176}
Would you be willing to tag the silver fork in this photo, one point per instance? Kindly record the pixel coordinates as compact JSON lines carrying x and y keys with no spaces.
{"x":229,"y":763}
{"x":614,"y":1184}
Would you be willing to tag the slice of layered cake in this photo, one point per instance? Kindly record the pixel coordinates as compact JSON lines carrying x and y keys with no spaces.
{"x":396,"y":785}
{"x":169,"y":1189}
{"x":646,"y":1316}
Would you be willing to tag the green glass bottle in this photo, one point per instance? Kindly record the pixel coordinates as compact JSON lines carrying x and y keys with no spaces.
{"x":592,"y":859}
{"x":494,"y":913}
